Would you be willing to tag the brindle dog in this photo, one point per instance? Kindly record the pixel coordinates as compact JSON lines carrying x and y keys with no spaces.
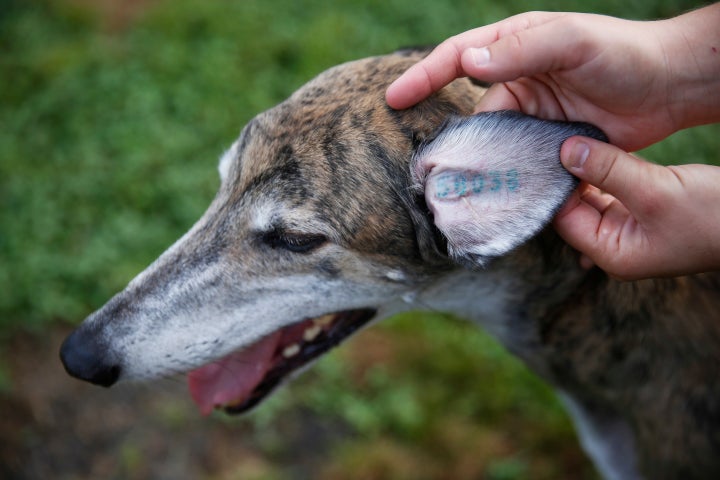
{"x":317,"y":229}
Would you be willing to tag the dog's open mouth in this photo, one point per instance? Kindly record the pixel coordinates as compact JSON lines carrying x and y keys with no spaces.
{"x":241,"y":380}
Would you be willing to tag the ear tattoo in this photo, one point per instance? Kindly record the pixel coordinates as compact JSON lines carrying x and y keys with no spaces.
{"x":493,"y":180}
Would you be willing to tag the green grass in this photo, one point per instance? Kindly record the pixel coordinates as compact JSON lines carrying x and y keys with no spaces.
{"x":111,"y":130}
{"x":112,"y":120}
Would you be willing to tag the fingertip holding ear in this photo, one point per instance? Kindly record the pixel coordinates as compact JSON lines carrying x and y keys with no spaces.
{"x":574,"y":153}
{"x":396,"y":95}
{"x":497,"y":97}
{"x":493,"y":180}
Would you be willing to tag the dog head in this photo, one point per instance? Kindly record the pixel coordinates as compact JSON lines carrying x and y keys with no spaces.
{"x":315,"y":227}
{"x":335,"y":151}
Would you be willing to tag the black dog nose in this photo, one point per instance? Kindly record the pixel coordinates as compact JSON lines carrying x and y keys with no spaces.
{"x":88,"y":360}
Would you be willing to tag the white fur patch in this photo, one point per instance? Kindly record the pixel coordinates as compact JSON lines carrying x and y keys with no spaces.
{"x":608,"y":441}
{"x":226,"y":160}
{"x":396,"y":275}
{"x":264,"y":215}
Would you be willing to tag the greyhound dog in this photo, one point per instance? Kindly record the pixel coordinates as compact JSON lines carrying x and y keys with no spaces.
{"x":319,"y":228}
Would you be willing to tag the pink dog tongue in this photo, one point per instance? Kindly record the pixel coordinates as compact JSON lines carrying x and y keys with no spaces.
{"x":232,"y":378}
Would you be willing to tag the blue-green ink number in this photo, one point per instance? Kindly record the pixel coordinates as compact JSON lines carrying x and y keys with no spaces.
{"x":512,"y":182}
{"x":478,"y":183}
{"x":444,"y":185}
{"x":455,"y":185}
{"x":460,"y":185}
{"x":496,"y":181}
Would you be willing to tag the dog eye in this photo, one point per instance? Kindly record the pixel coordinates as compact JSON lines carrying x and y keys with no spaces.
{"x":294,"y":242}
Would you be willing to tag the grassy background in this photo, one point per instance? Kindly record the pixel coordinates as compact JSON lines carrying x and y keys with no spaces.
{"x":113,"y":114}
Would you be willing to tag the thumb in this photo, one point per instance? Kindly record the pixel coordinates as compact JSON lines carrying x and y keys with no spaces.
{"x":610,"y":169}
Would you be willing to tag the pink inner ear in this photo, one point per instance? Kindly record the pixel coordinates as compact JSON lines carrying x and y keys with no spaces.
{"x":481,"y":212}
{"x":494,"y":180}
{"x":468,"y":200}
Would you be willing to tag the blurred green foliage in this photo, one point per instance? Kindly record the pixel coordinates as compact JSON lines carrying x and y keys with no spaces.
{"x":112,"y":117}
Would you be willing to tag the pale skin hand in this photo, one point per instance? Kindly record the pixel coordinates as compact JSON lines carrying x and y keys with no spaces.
{"x":639,"y":82}
{"x":661,"y":221}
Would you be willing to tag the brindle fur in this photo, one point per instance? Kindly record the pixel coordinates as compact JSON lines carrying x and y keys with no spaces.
{"x":638,"y":360}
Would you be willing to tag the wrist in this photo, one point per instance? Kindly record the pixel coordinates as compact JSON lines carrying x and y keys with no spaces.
{"x":693,"y":223}
{"x":691,"y":44}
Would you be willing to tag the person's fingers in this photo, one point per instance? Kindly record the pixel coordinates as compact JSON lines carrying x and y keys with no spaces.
{"x":577,"y":222}
{"x":444,"y":65}
{"x":439,"y":68}
{"x":593,"y":225}
{"x":588,"y":196}
{"x":498,"y":97}
{"x":631,"y":180}
{"x":532,"y":96}
{"x":595,"y":197}
{"x":610,"y":228}
{"x":524,"y":52}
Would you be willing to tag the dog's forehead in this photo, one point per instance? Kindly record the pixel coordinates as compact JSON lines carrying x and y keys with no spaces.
{"x":331,"y":130}
{"x":337,"y":152}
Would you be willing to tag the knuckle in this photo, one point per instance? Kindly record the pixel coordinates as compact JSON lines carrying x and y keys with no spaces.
{"x":450,"y":51}
{"x":618,"y":266}
{"x":515,"y":41}
{"x":654,"y":197}
{"x":606,"y":164}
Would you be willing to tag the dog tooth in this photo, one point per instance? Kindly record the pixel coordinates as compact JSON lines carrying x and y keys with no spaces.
{"x":311,"y":333}
{"x":291,"y":350}
{"x":325,"y":320}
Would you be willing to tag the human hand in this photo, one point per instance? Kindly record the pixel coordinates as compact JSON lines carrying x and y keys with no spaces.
{"x":640,"y":220}
{"x":638,"y":81}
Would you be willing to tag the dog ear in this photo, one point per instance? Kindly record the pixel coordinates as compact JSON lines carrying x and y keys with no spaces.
{"x":431,"y":243}
{"x":417,"y":126}
{"x":494,"y":180}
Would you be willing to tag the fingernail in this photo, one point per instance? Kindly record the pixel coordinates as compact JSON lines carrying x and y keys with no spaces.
{"x":578,"y":155}
{"x":480,"y":56}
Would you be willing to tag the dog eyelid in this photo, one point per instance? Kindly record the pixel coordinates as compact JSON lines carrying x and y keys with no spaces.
{"x":293,"y":242}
